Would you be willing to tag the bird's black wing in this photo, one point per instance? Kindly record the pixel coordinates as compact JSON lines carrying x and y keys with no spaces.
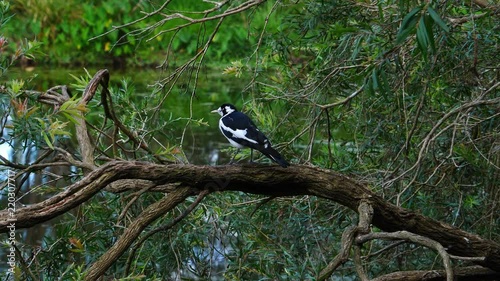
{"x":242,"y":130}
{"x":248,"y":133}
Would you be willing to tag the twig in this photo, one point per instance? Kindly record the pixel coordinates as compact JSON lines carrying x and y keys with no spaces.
{"x":133,"y":22}
{"x":426,"y":142}
{"x":24,"y":265}
{"x":344,"y":101}
{"x":261,"y":203}
{"x":130,"y":202}
{"x":102,"y":78}
{"x":197,"y":73}
{"x":386,"y":248}
{"x":358,"y":264}
{"x":259,"y":43}
{"x":190,"y":21}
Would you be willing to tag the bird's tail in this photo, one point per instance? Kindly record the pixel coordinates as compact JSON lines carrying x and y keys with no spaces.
{"x":275,"y":156}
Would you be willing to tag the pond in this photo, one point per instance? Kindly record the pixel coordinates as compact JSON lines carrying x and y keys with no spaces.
{"x":201,"y":144}
{"x":200,"y":141}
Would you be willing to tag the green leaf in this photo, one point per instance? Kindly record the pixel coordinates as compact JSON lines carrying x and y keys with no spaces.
{"x":357,"y":47}
{"x":437,"y":19}
{"x":422,"y":37}
{"x":430,"y":35}
{"x":375,"y":79}
{"x":16,"y":86}
{"x":384,"y":83}
{"x":70,"y":117}
{"x":408,"y":24}
{"x":47,"y":140}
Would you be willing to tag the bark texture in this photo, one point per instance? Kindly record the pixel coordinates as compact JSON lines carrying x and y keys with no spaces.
{"x":258,"y":179}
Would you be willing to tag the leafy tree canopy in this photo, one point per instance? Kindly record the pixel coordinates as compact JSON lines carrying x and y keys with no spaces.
{"x":401,"y":97}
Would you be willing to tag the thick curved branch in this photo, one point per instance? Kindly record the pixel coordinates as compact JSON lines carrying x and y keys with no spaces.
{"x":109,"y":111}
{"x":82,"y":134}
{"x":265,"y":180}
{"x":365,"y":217}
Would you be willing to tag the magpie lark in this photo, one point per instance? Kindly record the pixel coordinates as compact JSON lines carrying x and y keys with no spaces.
{"x":241,"y":132}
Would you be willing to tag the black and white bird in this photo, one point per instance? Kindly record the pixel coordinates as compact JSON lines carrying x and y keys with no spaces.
{"x":241,"y":132}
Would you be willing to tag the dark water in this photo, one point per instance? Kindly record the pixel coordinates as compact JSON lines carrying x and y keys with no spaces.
{"x":201,"y":144}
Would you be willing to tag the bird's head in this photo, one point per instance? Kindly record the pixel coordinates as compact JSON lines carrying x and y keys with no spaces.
{"x":225,"y":109}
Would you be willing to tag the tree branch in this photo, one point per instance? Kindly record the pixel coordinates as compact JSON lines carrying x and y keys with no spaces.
{"x":418,"y":239}
{"x":470,"y":273}
{"x":343,"y":256}
{"x":265,"y":180}
{"x":365,"y":217}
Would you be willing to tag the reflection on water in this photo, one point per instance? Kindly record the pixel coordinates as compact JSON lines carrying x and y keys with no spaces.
{"x":200,"y":144}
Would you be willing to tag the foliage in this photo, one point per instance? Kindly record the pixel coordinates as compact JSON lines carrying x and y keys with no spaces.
{"x":25,"y":47}
{"x":85,"y":36}
{"x":401,"y":94}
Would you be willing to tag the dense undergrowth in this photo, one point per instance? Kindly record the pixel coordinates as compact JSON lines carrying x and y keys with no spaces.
{"x":75,"y":33}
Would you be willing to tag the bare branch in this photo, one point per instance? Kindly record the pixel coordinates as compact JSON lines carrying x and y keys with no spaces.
{"x":365,"y":212}
{"x":358,"y":264}
{"x":427,"y":140}
{"x":462,"y":274}
{"x":418,"y":239}
{"x":190,"y":21}
{"x":344,"y":101}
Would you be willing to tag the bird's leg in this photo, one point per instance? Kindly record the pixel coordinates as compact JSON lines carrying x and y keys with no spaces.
{"x":234,"y":156}
{"x":251,"y":155}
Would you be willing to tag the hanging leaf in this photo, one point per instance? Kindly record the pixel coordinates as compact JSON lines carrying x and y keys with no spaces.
{"x":422,"y":37}
{"x":437,"y":19}
{"x":428,"y":22}
{"x":357,"y":47}
{"x":369,"y":86}
{"x":375,"y":79}
{"x":47,"y":140}
{"x":408,"y":24}
{"x":384,"y":83}
{"x":70,"y":117}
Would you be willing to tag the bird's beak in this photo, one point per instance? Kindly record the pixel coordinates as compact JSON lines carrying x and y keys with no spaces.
{"x":214,"y":111}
